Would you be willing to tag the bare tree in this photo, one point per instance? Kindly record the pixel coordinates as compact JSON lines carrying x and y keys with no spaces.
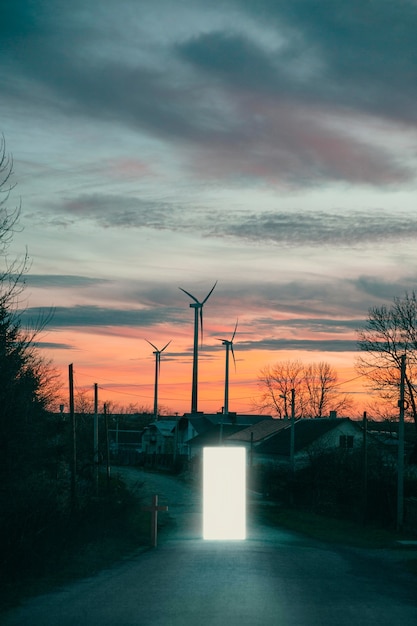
{"x":276,"y":382}
{"x":8,"y":217}
{"x":315,"y":386}
{"x":388,"y":334}
{"x":320,"y":385}
{"x":11,"y":272}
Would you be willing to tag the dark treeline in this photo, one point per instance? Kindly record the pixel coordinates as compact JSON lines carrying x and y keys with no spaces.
{"x":42,"y":525}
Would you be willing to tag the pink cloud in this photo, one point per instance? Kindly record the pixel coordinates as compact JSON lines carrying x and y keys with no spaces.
{"x":129,"y":168}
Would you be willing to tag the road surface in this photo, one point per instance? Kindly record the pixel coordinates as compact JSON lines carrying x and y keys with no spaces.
{"x":274,"y":577}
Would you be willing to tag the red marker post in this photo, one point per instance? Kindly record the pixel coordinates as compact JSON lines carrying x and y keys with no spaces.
{"x":154,"y":508}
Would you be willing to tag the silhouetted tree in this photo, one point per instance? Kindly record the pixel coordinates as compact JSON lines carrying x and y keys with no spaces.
{"x":315,"y":386}
{"x":389,"y":333}
{"x":27,"y":382}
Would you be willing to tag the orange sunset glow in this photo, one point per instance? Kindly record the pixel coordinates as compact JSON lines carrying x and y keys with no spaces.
{"x":123,"y":366}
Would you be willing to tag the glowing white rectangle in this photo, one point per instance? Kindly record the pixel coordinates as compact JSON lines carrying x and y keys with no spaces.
{"x":224,"y":493}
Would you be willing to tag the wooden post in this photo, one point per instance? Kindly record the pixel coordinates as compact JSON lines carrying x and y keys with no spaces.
{"x":400,"y":475}
{"x":73,"y":437}
{"x":106,"y":426}
{"x":292,"y":432}
{"x":365,"y":468}
{"x":95,"y":441}
{"x":154,"y":508}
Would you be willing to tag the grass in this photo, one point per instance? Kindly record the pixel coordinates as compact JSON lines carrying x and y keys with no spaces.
{"x":329,"y":529}
{"x":339,"y":531}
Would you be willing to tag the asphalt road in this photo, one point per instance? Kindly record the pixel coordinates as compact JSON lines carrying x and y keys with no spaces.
{"x":272,"y":578}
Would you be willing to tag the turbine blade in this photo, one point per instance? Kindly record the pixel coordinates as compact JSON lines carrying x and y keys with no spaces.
{"x":201,"y":324}
{"x":166,"y":346}
{"x":189,"y":294}
{"x":233,"y":355}
{"x":151,"y":344}
{"x":209,"y":293}
{"x":234,"y":332}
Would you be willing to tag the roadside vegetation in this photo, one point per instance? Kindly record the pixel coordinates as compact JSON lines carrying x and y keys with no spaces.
{"x":331,"y":501}
{"x":46,"y":535}
{"x":337,"y":484}
{"x":66,"y":547}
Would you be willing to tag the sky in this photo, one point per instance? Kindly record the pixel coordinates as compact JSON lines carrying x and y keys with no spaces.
{"x":268,"y":145}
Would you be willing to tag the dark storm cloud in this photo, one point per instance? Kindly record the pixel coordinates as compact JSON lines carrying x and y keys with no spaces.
{"x":336,"y":57}
{"x":336,"y":326}
{"x":239,"y":107}
{"x":83,"y":316}
{"x":113,"y":90}
{"x":313,"y":302}
{"x":333,"y":228}
{"x":367,"y":49}
{"x":20,"y":21}
{"x":50,"y":345}
{"x":293,"y":228}
{"x":235,"y":58}
{"x":281,"y":312}
{"x":378,"y":288}
{"x":62,"y":280}
{"x":316,"y":345}
{"x":123,"y":211}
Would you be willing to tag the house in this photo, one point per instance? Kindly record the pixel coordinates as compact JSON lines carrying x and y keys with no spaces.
{"x":311,"y":436}
{"x":200,"y":430}
{"x":386,"y":432}
{"x":159,"y":437}
{"x":217,"y":435}
{"x":256,"y":433}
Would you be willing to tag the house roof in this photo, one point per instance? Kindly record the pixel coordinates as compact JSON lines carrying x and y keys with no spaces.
{"x":260,"y":431}
{"x":165,"y":427}
{"x":306,"y":431}
{"x":211,"y":437}
{"x":202,"y":422}
{"x":221,"y":418}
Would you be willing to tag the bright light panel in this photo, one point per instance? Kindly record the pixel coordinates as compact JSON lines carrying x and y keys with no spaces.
{"x":224,"y":493}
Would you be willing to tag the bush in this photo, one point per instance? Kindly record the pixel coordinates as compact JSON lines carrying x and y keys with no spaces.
{"x":334,"y":484}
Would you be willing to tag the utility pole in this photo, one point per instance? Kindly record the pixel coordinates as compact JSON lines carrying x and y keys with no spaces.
{"x":73,"y":437}
{"x":96,"y":436}
{"x":365,"y":465}
{"x":106,"y":422}
{"x":292,"y":437}
{"x":400,"y":462}
{"x":292,"y":447}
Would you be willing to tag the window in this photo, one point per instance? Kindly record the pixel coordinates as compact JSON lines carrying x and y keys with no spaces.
{"x":346,"y":441}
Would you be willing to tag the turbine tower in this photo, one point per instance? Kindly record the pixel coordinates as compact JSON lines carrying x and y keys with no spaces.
{"x":229,"y":348}
{"x":198,"y":313}
{"x":157,"y":354}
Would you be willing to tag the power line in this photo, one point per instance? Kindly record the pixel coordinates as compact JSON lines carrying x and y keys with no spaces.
{"x":345,"y":382}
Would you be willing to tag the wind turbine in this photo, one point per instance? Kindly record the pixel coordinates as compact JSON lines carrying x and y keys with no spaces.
{"x":157,"y":354}
{"x":229,"y":348}
{"x":198,"y":313}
